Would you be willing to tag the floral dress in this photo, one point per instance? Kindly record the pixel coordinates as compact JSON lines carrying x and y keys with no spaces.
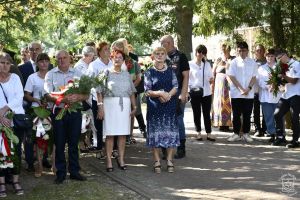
{"x":162,"y":127}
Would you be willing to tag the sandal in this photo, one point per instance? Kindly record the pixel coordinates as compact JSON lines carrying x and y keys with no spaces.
{"x":100,"y":155}
{"x":157,"y":168}
{"x":170,"y":168}
{"x":132,"y":140}
{"x":3,"y":192}
{"x":115,"y":154}
{"x":18,"y":190}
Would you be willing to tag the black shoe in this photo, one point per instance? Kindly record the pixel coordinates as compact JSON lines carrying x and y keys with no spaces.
{"x":46,"y":164}
{"x":59,"y":180}
{"x":180,"y":154}
{"x":109,"y":169}
{"x":259,"y":134}
{"x":211,"y":139}
{"x":293,"y":144}
{"x":279,"y":142}
{"x":272,"y":139}
{"x":77,"y":177}
{"x":84,"y":150}
{"x":30,"y":168}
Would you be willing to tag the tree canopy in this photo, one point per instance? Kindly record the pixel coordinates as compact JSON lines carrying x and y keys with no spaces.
{"x":71,"y":23}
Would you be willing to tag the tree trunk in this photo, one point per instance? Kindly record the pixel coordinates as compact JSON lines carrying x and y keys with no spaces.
{"x":184,"y":26}
{"x":292,"y":28}
{"x":276,"y":25}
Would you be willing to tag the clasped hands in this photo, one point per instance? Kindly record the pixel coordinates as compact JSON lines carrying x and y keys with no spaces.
{"x":244,"y":91}
{"x":164,"y":97}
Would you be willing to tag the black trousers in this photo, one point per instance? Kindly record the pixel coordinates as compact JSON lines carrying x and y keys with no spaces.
{"x":261,"y":127}
{"x":241,"y":107}
{"x":98,"y":125}
{"x":67,"y":130}
{"x":205,"y":104}
{"x":283,"y":106}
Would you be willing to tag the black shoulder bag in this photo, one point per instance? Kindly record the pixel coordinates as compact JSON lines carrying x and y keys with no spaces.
{"x":21,"y":121}
{"x":198,"y":92}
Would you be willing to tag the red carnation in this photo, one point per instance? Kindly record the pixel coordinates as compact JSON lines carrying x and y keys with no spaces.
{"x":284,"y":68}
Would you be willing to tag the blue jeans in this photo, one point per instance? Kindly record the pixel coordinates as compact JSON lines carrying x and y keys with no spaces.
{"x":67,"y":130}
{"x":268,"y":112}
{"x":180,"y":121}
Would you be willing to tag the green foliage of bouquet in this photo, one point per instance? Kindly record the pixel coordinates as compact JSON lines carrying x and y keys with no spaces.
{"x":276,"y":79}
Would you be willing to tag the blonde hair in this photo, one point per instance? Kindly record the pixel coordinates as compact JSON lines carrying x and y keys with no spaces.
{"x":120,"y":44}
{"x":159,"y":49}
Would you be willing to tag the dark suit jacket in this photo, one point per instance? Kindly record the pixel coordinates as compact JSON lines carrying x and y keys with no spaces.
{"x":15,"y":69}
{"x":26,"y":69}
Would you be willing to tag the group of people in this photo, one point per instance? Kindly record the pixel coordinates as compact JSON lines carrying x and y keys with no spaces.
{"x":170,"y":81}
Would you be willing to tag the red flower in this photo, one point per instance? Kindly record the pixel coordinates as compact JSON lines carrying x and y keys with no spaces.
{"x":284,"y":68}
{"x":70,"y":81}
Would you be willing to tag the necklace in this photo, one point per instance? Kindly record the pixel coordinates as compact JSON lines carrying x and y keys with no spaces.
{"x":162,"y":69}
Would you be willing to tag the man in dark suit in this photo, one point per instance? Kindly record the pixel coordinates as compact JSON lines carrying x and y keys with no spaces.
{"x":28,"y":68}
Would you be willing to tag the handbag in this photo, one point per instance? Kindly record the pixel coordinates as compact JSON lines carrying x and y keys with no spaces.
{"x":198,"y":92}
{"x":21,"y":121}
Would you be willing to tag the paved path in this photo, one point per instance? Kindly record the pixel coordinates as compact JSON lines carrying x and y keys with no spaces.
{"x":219,"y":170}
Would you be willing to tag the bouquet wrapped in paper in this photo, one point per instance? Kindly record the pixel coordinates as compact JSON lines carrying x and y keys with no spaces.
{"x":8,"y":142}
{"x":78,"y":86}
{"x":276,"y":79}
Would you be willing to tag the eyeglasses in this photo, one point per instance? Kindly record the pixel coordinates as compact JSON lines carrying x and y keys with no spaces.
{"x":34,"y":49}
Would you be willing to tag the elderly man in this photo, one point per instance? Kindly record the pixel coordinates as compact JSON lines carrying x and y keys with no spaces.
{"x":28,"y":68}
{"x":180,"y":65}
{"x":67,"y":129}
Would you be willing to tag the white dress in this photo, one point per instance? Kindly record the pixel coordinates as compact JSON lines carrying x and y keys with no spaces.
{"x":117,"y":105}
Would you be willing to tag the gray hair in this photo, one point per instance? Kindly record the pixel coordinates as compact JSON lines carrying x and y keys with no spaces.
{"x":36,"y":42}
{"x":88,"y":50}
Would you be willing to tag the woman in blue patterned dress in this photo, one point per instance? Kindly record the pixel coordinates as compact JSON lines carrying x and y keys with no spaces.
{"x":161,"y":87}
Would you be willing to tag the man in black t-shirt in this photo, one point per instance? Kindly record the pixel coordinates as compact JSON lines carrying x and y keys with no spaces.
{"x":180,"y":65}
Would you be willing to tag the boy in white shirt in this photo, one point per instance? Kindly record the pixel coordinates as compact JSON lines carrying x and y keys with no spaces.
{"x":289,"y":100}
{"x":242,"y":74}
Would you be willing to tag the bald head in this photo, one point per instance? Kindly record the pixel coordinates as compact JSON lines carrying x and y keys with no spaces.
{"x":63,"y":60}
{"x":167,"y":42}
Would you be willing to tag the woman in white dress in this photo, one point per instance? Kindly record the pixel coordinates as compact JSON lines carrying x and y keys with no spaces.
{"x":114,"y":108}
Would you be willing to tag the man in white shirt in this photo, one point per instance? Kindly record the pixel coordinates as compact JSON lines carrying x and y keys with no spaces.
{"x":68,"y":129}
{"x":290,"y":100}
{"x":242,"y":74}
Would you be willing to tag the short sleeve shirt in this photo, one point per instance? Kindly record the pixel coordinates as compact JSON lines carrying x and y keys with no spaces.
{"x":243,"y":70}
{"x":179,"y":63}
{"x":35,"y":86}
{"x":294,"y":72}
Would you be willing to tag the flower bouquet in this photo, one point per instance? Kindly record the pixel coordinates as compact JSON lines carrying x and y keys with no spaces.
{"x":275,"y":76}
{"x":78,"y":86}
{"x":8,"y":141}
{"x":42,"y":124}
{"x":101,"y":80}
